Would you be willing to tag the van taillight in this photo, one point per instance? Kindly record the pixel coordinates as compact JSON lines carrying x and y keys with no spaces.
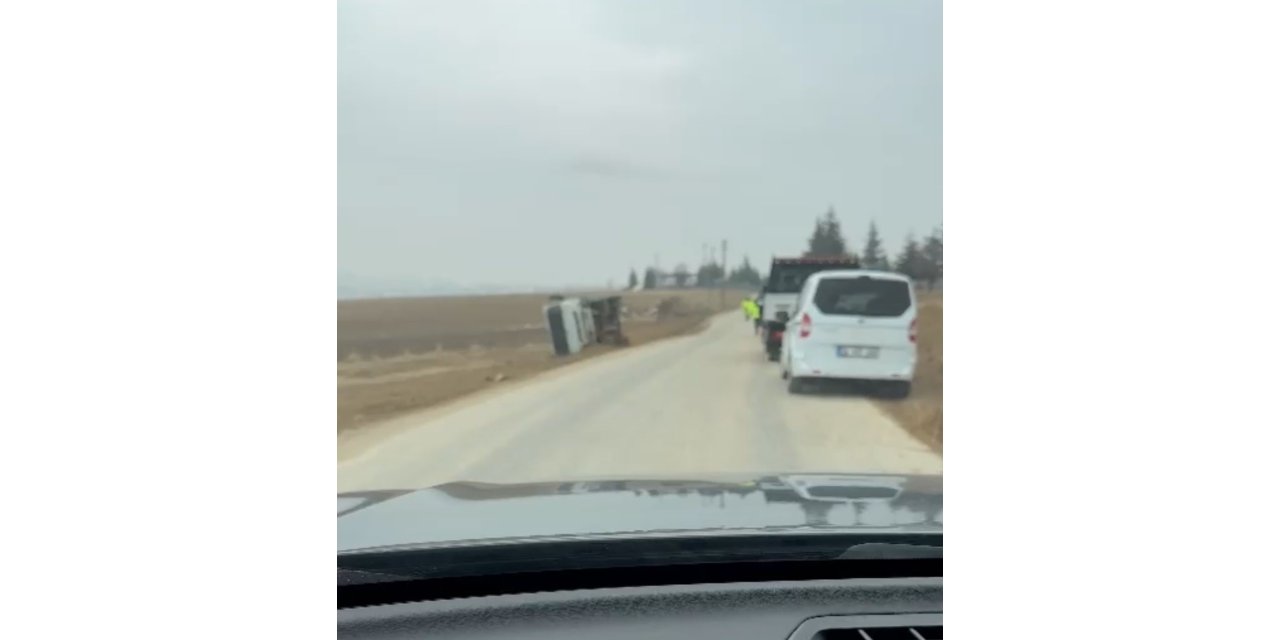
{"x":912,"y":333}
{"x":806,"y":325}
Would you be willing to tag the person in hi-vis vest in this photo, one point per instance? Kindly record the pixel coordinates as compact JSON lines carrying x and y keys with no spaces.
{"x":752,"y":310}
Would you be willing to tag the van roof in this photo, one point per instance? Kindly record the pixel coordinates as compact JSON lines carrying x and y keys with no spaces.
{"x":853,"y":273}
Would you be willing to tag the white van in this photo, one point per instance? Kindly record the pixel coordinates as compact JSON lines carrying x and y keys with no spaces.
{"x":853,"y":324}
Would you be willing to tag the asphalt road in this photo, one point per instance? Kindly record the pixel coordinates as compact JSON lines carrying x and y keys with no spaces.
{"x":696,"y":405}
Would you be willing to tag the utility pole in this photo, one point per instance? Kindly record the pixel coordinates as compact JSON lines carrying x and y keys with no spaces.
{"x":724,"y":269}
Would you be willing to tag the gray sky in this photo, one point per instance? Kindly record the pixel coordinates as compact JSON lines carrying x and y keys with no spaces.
{"x":557,"y":142}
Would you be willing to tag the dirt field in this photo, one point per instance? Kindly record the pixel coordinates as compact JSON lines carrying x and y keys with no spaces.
{"x":393,"y":327}
{"x":921,"y":413}
{"x":404,"y":354}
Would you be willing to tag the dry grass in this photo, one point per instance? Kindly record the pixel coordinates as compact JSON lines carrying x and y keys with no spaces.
{"x":394,"y":327}
{"x":402,"y":355}
{"x":921,"y":413}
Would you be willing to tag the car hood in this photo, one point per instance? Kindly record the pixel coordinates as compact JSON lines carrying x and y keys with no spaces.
{"x":472,"y":512}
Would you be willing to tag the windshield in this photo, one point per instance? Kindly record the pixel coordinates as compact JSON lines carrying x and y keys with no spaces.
{"x":571,"y":242}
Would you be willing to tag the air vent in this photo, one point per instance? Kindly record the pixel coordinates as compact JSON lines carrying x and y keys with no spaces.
{"x":882,"y":633}
{"x":914,"y":626}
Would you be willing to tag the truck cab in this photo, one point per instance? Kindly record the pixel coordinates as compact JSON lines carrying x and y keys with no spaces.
{"x":782,"y":291}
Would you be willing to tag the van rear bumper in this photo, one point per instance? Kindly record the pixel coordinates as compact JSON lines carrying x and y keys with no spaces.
{"x":852,"y":368}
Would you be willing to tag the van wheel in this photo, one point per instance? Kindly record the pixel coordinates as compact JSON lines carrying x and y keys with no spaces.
{"x":897,"y":390}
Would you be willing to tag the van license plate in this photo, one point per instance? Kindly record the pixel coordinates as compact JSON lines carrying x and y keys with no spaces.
{"x":858,"y":352}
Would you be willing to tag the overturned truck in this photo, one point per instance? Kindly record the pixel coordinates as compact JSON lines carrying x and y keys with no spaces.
{"x":573,"y":323}
{"x":607,"y":313}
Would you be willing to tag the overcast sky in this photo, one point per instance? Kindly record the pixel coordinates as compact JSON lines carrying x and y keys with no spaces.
{"x":562,"y":142}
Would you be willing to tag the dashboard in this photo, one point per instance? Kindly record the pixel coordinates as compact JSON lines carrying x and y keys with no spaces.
{"x":855,"y":608}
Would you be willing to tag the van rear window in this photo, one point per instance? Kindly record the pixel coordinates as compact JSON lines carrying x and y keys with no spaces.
{"x":862,"y":296}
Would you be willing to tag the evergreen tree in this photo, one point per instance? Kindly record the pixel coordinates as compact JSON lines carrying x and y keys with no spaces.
{"x":931,"y":258}
{"x":873,"y":256}
{"x":650,"y":279}
{"x":827,"y":239}
{"x":910,"y":261}
{"x":709,"y":275}
{"x":745,"y":275}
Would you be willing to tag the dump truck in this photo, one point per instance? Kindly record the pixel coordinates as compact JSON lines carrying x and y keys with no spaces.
{"x":575,"y":323}
{"x":607,"y":313}
{"x":782,"y":289}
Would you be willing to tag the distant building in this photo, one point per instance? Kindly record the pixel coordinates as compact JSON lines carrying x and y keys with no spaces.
{"x":668,"y":280}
